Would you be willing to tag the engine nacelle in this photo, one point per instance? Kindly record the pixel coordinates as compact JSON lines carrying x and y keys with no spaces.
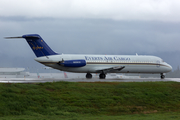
{"x":73,"y":63}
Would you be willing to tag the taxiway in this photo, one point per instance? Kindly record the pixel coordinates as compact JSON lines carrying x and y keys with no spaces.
{"x":43,"y":80}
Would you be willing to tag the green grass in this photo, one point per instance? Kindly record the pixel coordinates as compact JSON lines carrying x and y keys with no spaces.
{"x":157,"y":116}
{"x":101,"y":100}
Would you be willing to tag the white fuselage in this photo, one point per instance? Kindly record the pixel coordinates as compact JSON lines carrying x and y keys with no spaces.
{"x":95,"y":63}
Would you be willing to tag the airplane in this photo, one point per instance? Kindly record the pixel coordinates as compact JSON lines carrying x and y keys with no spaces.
{"x":88,"y":63}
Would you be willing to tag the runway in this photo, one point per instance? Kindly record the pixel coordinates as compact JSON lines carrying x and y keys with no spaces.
{"x":43,"y":80}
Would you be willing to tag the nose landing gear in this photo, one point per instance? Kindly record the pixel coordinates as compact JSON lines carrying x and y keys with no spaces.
{"x":162,"y":76}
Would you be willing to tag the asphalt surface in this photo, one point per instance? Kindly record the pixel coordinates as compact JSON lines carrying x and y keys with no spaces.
{"x":40,"y":80}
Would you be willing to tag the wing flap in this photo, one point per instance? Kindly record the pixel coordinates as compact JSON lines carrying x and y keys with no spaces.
{"x":106,"y":70}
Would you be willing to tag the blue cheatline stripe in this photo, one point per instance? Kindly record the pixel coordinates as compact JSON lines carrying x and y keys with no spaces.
{"x":38,"y":45}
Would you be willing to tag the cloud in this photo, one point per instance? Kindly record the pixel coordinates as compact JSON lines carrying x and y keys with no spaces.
{"x":148,"y":10}
{"x":93,"y":36}
{"x":91,"y":27}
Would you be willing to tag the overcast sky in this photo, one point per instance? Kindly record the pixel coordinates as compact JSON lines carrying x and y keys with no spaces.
{"x":147,"y":27}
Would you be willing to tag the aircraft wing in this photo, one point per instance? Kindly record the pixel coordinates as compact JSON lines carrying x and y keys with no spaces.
{"x":106,"y":70}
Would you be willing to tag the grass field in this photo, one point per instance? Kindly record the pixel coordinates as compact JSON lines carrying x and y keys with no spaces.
{"x":100,"y":100}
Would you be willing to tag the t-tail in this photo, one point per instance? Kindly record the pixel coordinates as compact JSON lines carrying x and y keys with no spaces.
{"x":37,"y":44}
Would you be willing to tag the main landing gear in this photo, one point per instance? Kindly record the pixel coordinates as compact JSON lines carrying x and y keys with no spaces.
{"x":162,"y":76}
{"x":101,"y":76}
{"x":88,"y":75}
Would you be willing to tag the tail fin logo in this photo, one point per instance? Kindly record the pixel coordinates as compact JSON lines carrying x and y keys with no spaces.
{"x":36,"y":48}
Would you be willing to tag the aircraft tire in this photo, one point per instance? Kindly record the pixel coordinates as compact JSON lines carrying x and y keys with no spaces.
{"x":162,"y":76}
{"x":102,"y":76}
{"x":89,"y":75}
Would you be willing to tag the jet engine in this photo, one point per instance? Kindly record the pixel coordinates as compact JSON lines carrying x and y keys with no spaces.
{"x":72,"y":63}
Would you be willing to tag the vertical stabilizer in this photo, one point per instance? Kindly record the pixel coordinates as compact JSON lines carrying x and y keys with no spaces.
{"x":38,"y":45}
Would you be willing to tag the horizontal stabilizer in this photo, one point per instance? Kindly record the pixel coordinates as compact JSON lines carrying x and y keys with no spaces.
{"x":24,"y":36}
{"x":13,"y":37}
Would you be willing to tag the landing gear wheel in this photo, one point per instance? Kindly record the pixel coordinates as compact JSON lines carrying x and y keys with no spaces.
{"x":162,"y":76}
{"x":102,"y":76}
{"x":88,"y":75}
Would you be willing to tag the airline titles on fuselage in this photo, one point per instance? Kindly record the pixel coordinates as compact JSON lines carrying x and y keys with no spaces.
{"x":106,"y":58}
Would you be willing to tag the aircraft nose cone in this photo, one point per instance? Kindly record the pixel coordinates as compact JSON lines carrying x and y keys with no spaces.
{"x":169,"y":67}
